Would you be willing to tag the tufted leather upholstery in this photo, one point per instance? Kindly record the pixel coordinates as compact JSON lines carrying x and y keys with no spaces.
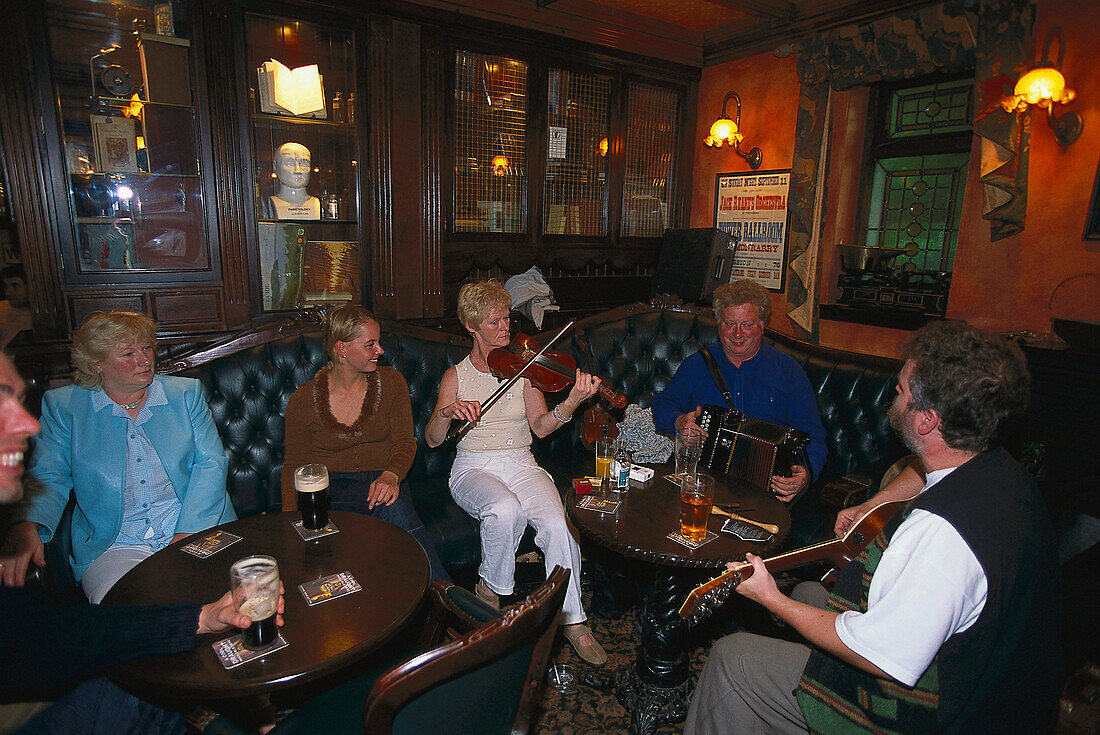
{"x":638,"y":349}
{"x":248,"y":392}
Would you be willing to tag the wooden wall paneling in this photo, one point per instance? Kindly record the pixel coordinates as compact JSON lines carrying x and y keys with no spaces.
{"x":227,"y":174}
{"x":434,"y":133}
{"x":193,"y":311}
{"x":379,"y":213}
{"x":25,"y":94}
{"x":680,"y":206}
{"x":407,"y":171}
{"x":82,"y":305}
{"x":538,"y":145}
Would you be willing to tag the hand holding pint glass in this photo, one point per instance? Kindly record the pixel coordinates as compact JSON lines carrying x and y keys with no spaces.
{"x":696,"y":499}
{"x":254,"y":583}
{"x":311,"y":483}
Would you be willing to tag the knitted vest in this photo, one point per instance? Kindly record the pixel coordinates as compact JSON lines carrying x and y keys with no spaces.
{"x":998,"y":676}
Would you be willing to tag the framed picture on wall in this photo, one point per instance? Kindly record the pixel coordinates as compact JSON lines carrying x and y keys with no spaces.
{"x":752,"y":206}
{"x":1092,"y":221}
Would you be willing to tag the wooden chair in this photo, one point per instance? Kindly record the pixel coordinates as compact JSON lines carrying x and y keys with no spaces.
{"x":483,"y":682}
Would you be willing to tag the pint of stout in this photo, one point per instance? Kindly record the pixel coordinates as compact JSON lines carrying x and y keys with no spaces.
{"x":311,"y":482}
{"x":254,"y":581}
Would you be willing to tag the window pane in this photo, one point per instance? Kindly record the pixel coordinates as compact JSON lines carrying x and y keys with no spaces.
{"x":651,"y":134}
{"x":490,"y":143}
{"x":930,"y":109}
{"x":575,"y":192}
{"x":916,"y":207}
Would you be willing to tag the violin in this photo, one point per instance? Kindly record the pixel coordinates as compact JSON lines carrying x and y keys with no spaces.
{"x":550,"y":372}
{"x":598,"y":424}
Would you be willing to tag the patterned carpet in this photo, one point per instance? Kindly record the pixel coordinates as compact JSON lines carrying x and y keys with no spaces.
{"x":587,"y":710}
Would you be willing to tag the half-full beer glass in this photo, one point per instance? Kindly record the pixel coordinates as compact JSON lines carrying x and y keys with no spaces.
{"x":689,"y":447}
{"x":311,"y":482}
{"x":696,"y":499}
{"x":254,"y":581}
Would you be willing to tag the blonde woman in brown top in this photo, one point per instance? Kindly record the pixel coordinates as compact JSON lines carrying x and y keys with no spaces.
{"x":355,"y":418}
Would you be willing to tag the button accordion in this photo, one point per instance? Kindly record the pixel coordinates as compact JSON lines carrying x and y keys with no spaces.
{"x":749,"y":449}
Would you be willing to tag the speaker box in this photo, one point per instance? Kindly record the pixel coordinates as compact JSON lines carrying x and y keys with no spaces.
{"x":693,"y":262}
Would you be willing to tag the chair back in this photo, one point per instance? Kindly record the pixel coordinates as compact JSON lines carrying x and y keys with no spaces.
{"x":484,"y":682}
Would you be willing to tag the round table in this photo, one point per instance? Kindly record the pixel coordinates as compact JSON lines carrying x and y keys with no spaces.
{"x":324,"y":638}
{"x":658,"y":687}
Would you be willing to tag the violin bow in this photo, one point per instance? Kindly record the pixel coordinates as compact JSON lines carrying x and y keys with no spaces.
{"x":462,"y":428}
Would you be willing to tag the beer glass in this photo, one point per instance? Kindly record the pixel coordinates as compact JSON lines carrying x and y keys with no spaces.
{"x":254,"y":581}
{"x":311,"y":482}
{"x":696,"y":499}
{"x":689,"y":447}
{"x":605,"y":451}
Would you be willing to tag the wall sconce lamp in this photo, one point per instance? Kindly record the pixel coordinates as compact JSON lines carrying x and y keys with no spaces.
{"x":602,"y":147}
{"x":727,"y":131}
{"x":1043,"y":86}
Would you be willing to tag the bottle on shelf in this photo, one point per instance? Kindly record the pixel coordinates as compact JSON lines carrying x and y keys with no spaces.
{"x":338,"y":108}
{"x":349,"y":108}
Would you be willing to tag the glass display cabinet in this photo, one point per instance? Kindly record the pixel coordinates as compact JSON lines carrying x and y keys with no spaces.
{"x":304,"y":116}
{"x":130,"y":144}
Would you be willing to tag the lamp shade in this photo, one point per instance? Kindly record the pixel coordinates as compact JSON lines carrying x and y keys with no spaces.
{"x":500,"y":165}
{"x":723,"y":131}
{"x":1041,"y":85}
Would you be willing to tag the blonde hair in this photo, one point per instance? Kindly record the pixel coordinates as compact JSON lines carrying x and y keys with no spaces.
{"x":343,"y":325}
{"x":476,"y":300}
{"x":99,"y":334}
{"x":743,"y":292}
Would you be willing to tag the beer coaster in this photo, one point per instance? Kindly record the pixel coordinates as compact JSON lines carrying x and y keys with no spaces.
{"x":210,"y":544}
{"x":308,"y":535}
{"x":745,"y":531}
{"x":600,"y":505}
{"x":329,"y":588}
{"x":232,"y":653}
{"x":683,"y":541}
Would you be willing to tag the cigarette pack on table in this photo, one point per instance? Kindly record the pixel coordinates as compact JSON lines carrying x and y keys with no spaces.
{"x":641,"y":474}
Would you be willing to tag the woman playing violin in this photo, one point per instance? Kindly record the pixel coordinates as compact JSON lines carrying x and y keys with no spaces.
{"x":495,"y":477}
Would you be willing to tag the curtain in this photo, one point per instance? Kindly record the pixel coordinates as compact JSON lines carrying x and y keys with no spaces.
{"x":937,"y":38}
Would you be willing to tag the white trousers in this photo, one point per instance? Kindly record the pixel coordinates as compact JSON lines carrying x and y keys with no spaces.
{"x":109,"y":567}
{"x":505,"y":491}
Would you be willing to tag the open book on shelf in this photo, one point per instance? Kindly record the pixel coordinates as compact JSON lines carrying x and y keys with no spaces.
{"x":282,"y":91}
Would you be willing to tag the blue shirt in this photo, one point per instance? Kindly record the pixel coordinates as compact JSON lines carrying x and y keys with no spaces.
{"x":150,"y":507}
{"x":769,"y":386}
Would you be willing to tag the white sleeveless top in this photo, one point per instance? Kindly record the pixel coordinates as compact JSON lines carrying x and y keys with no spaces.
{"x":504,"y":425}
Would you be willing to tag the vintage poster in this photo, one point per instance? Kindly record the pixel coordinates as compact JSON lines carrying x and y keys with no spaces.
{"x":753,"y":208}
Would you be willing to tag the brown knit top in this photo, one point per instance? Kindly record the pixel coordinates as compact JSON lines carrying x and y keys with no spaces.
{"x":380,"y":439}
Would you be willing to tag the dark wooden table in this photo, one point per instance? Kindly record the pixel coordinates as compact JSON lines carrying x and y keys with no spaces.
{"x":324,"y":638}
{"x":658,"y":686}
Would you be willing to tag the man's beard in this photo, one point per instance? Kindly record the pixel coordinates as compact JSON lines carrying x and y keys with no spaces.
{"x":898,"y":423}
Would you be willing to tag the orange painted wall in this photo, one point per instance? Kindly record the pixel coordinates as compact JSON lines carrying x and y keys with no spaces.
{"x":1004,"y":285}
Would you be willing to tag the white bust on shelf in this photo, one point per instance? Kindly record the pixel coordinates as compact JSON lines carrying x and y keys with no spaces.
{"x":291,"y":201}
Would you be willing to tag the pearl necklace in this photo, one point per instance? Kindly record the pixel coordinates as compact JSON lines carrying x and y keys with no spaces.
{"x":131,"y":406}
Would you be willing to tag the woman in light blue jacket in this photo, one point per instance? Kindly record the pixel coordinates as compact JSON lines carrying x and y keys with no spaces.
{"x":139,"y":452}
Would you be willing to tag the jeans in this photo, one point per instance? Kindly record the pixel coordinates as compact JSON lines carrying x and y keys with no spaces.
{"x":98,"y":707}
{"x":348,"y":492}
